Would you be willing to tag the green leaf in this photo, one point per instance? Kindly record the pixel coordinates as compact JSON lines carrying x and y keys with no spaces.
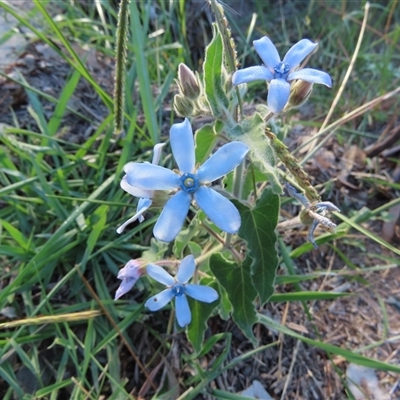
{"x":73,"y":59}
{"x":262,"y":153}
{"x":62,"y":103}
{"x":138,"y":38}
{"x":212,"y":69}
{"x":306,"y":296}
{"x":205,"y":138}
{"x":225,"y":307}
{"x":367,"y":233}
{"x":253,"y":175}
{"x":236,"y":280}
{"x":258,"y":229}
{"x":184,"y":238}
{"x":200,"y":314}
{"x":156,"y":250}
{"x":98,"y":220}
{"x":18,"y":236}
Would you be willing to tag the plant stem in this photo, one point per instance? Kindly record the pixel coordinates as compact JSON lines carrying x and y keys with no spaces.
{"x":209,"y":253}
{"x":119,"y":92}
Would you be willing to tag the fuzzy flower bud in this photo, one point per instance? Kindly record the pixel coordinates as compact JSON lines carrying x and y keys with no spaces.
{"x":183,"y":106}
{"x":188,"y":82}
{"x":299,"y":94}
{"x":129,"y":275}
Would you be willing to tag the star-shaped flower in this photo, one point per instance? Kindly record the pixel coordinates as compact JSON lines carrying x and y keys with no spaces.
{"x":179,"y":288}
{"x":189,"y":183}
{"x":281,"y":73}
{"x":129,"y":276}
{"x":145,"y":200}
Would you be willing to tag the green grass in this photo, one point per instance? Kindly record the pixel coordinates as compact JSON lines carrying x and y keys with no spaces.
{"x":60,"y":202}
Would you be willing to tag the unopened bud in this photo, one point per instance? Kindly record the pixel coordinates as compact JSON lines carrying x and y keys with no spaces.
{"x":129,"y":275}
{"x":305,"y":217}
{"x":299,"y":94}
{"x":188,"y":82}
{"x":183,"y":106}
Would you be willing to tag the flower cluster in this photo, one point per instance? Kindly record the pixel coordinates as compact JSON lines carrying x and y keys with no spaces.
{"x":145,"y":180}
{"x":177,"y":190}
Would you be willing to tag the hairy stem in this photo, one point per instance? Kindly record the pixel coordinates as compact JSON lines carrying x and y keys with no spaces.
{"x":119,"y":91}
{"x":293,"y":166}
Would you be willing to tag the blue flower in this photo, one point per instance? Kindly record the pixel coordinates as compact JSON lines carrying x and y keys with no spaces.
{"x":129,"y":276}
{"x":280,"y":73}
{"x":179,"y":288}
{"x":189,"y":183}
{"x":145,"y":200}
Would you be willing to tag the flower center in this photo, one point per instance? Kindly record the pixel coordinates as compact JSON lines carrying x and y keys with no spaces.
{"x":189,"y":183}
{"x":178,"y":289}
{"x":281,"y":70}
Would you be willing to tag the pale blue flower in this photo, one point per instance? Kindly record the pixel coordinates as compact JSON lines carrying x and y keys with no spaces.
{"x":179,"y":288}
{"x":145,"y":200}
{"x":129,"y":276}
{"x":189,"y":183}
{"x":281,"y":73}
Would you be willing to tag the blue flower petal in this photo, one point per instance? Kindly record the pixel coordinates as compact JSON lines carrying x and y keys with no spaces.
{"x":183,"y":314}
{"x":186,"y":269}
{"x":129,"y":276}
{"x":278,"y":95}
{"x":182,"y":144}
{"x":143,"y":205}
{"x":310,"y":235}
{"x":311,"y":75}
{"x":135,"y":191}
{"x":219,"y":209}
{"x":298,"y":52}
{"x":201,"y":293}
{"x":125,"y":286}
{"x":158,"y":301}
{"x":326,"y":205}
{"x":268,"y":52}
{"x":157,"y":153}
{"x":172,"y":217}
{"x":150,"y":177}
{"x":258,"y":73}
{"x":160,"y":275}
{"x":130,"y":270}
{"x":223,"y":161}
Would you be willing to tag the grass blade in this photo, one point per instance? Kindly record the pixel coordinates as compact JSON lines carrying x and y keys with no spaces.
{"x":138,"y":43}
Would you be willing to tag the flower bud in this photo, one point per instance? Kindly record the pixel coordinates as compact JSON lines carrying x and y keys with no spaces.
{"x":188,"y":82}
{"x":305,"y":217}
{"x":129,"y":275}
{"x":183,"y":106}
{"x":299,"y":94}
